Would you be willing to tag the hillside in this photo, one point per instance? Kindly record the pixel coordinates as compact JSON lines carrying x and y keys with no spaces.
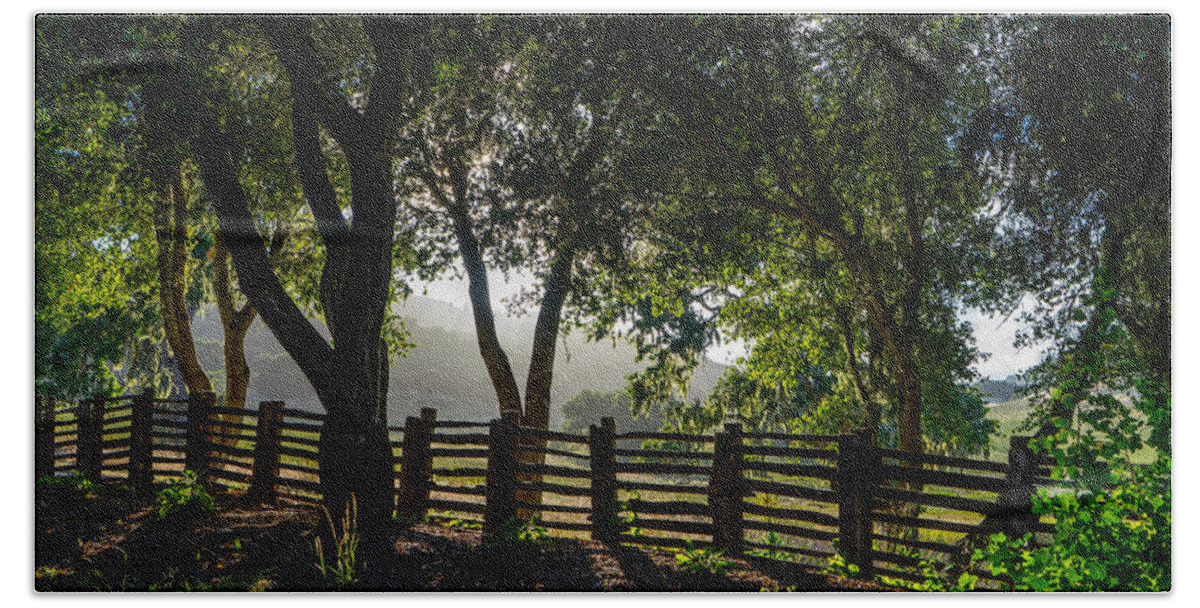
{"x":998,"y":391}
{"x":445,"y":370}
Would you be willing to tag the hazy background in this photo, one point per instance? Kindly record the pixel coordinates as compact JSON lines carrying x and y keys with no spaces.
{"x":446,"y":372}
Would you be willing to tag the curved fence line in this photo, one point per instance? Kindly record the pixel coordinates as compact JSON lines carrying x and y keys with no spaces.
{"x":885,"y":509}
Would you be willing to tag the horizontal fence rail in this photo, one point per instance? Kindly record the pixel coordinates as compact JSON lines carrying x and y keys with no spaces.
{"x":773,"y":495}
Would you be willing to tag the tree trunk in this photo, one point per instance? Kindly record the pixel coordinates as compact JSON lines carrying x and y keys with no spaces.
{"x":350,"y":375}
{"x":908,"y":373}
{"x":355,"y":457}
{"x":494,"y":358}
{"x":235,"y":323}
{"x":545,"y":339}
{"x":170,"y":218}
{"x":541,"y":366}
{"x":873,"y":413}
{"x":908,"y":411}
{"x":358,"y":462}
{"x":167,"y":360}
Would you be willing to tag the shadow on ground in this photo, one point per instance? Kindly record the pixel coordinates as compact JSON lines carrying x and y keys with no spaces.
{"x":116,"y":545}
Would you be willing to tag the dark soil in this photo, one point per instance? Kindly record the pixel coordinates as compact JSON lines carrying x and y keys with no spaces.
{"x":110,"y":543}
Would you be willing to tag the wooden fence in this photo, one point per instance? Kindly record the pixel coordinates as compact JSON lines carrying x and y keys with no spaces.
{"x":781,"y":496}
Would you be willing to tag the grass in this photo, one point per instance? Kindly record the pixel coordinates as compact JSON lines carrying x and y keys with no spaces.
{"x":1011,"y":415}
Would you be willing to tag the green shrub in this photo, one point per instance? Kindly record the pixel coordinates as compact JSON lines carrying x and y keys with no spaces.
{"x":706,"y":561}
{"x":840,"y":568}
{"x":1118,"y":540}
{"x":75,"y":486}
{"x":517,"y":532}
{"x":938,"y":577}
{"x":776,"y":541}
{"x":464,"y":524}
{"x":184,"y":498}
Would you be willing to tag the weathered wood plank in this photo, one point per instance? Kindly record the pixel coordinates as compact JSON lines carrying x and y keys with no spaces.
{"x":946,"y":461}
{"x":553,"y":470}
{"x":794,"y":470}
{"x":790,"y":530}
{"x":942,"y":478}
{"x":552,"y":435}
{"x":454,"y":505}
{"x":765,"y":450}
{"x":957,"y":503}
{"x":668,"y":507}
{"x":665,"y":437}
{"x":554,"y":488}
{"x":796,"y":491}
{"x":794,"y":514}
{"x":659,"y":468}
{"x":638,"y":453}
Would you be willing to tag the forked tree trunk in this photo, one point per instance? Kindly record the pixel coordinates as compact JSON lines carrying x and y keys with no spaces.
{"x":349,"y":374}
{"x":541,"y":367}
{"x":235,"y":324}
{"x":170,"y":219}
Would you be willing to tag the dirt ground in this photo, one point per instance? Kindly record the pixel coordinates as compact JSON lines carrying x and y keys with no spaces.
{"x":107,"y":543}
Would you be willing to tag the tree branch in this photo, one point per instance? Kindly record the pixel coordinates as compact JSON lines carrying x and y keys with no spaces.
{"x":291,"y":36}
{"x":298,"y":337}
{"x":393,"y":68}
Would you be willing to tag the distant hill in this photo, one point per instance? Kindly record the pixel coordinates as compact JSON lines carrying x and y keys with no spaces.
{"x":445,"y":371}
{"x":998,"y":391}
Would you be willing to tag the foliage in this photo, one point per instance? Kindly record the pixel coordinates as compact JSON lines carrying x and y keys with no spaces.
{"x":774,"y":540}
{"x":627,"y":516}
{"x":937,"y":578}
{"x":956,"y":421}
{"x":1116,"y":540}
{"x":821,"y":140}
{"x":1080,"y":146}
{"x":520,"y":533}
{"x":705,"y":561}
{"x":1113,"y":531}
{"x":341,"y":572}
{"x":68,"y":488}
{"x":92,"y":296}
{"x":462,"y":523}
{"x":839,"y":567}
{"x":763,"y":405}
{"x":1114,"y":534}
{"x":184,"y":499}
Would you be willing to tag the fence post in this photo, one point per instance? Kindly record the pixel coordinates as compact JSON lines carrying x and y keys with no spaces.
{"x":726,"y":490}
{"x":501,"y":482}
{"x":415,"y":463}
{"x":141,"y":475}
{"x":869,"y":465}
{"x":268,"y":433}
{"x":1017,"y":501}
{"x":200,"y":406}
{"x":44,"y":442}
{"x":602,"y":445}
{"x":428,"y":426}
{"x":90,"y":417}
{"x":854,"y":477}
